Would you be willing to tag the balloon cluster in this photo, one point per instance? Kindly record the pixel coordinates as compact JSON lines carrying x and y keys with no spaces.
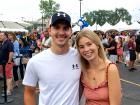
{"x":82,"y":23}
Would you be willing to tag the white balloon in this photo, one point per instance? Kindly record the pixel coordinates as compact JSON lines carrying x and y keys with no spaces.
{"x":80,"y":23}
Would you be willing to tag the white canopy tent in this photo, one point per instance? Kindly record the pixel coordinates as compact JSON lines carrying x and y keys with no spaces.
{"x":13,"y":30}
{"x":121,"y":26}
{"x":13,"y":26}
{"x":134,"y":25}
{"x":75,"y":28}
{"x":105,"y":27}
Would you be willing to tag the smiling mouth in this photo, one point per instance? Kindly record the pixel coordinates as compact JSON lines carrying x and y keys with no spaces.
{"x":87,"y":54}
{"x":61,"y":36}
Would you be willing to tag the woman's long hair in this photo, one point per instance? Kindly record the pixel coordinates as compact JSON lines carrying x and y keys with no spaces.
{"x":95,"y":39}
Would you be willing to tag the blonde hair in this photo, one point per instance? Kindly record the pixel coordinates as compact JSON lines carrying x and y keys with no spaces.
{"x":96,"y":40}
{"x":13,"y":35}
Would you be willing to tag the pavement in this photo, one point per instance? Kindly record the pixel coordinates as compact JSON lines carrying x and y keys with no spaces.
{"x":130,"y":87}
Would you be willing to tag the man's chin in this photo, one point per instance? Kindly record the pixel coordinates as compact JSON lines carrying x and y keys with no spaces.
{"x":61,"y":44}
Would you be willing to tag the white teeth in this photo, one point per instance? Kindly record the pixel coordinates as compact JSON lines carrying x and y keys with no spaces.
{"x":88,"y":54}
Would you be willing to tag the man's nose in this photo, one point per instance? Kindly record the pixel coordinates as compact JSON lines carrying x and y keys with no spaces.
{"x":62,"y":31}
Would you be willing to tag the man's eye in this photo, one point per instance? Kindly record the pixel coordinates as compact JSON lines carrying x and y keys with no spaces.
{"x":66,"y":28}
{"x":56,"y":27}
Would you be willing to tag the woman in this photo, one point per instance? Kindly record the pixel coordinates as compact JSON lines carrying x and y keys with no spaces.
{"x":100,"y":77}
{"x":25,"y":54}
{"x":120,"y":49}
{"x":13,"y":39}
{"x":126,"y":54}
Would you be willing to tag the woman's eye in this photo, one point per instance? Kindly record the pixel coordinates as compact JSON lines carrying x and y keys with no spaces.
{"x":81,"y":47}
{"x":89,"y":44}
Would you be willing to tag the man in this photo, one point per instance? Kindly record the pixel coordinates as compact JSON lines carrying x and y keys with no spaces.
{"x":46,"y":42}
{"x":132,"y":52}
{"x":6,"y":56}
{"x":138,"y":47}
{"x":57,"y":69}
{"x":112,"y":48}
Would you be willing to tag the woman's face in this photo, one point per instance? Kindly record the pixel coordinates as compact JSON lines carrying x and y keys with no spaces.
{"x":87,"y":48}
{"x":10,"y":36}
{"x":119,"y":39}
{"x":20,"y":41}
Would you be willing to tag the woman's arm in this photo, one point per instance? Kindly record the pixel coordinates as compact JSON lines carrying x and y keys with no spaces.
{"x":114,"y":85}
{"x":80,"y":90}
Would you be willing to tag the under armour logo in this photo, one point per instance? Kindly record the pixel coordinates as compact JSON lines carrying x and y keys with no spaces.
{"x":75,"y":66}
{"x":58,"y":14}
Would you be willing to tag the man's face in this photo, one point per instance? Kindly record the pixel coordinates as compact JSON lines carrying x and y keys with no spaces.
{"x":46,"y":34}
{"x":60,"y":34}
{"x":2,"y":37}
{"x":133,"y":38}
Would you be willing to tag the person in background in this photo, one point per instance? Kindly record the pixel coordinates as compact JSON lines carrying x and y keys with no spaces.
{"x":73,"y":39}
{"x":56,"y":69}
{"x":25,"y":53}
{"x":46,"y":40}
{"x":132,"y":52}
{"x":32,"y":43}
{"x":6,"y":57}
{"x":112,"y":48}
{"x":126,"y":54}
{"x":138,"y":46}
{"x":100,"y":77}
{"x":120,"y":49}
{"x":16,"y":58}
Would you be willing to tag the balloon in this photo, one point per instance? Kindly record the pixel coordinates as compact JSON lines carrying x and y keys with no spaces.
{"x":82,"y":23}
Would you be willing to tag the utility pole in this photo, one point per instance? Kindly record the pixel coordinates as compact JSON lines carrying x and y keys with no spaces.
{"x":80,"y":7}
{"x":42,"y":17}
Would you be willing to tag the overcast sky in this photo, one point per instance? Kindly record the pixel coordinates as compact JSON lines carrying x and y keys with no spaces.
{"x":29,"y":9}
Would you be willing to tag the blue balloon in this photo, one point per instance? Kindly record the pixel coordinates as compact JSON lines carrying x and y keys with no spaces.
{"x":84,"y":22}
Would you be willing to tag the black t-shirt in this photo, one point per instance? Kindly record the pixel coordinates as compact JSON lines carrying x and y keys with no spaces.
{"x":113,"y":44}
{"x":5,"y":48}
{"x":138,"y":43}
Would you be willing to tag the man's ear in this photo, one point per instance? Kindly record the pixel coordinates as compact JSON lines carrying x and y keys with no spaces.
{"x":49,"y":30}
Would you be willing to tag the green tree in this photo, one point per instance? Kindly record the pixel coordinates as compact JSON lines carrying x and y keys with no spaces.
{"x":89,"y":18}
{"x":101,"y":17}
{"x":124,"y":15}
{"x":112,"y":17}
{"x":48,"y":7}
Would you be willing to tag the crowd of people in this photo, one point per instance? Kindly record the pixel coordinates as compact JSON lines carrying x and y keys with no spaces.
{"x":122,"y":48}
{"x":68,"y":64}
{"x":17,"y":49}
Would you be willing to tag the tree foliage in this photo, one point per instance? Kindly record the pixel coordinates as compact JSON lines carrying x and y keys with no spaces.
{"x":48,"y":7}
{"x":112,"y":17}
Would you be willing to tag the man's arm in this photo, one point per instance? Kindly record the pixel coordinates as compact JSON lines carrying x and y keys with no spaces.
{"x":29,"y":95}
{"x":111,"y":48}
{"x":10,"y":57}
{"x":11,"y":51}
